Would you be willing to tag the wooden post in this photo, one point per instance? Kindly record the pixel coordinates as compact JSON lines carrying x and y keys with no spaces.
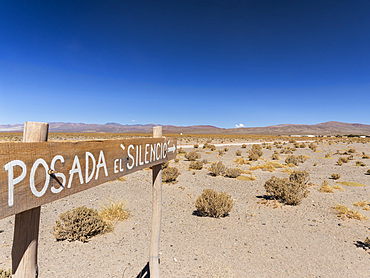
{"x":26,"y":227}
{"x":156,"y":214}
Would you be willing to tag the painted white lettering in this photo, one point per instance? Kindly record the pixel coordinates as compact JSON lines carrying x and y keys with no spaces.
{"x":146,"y":154}
{"x":121,"y":169}
{"x":13,"y":181}
{"x":76,"y":168}
{"x":158,"y":153}
{"x":34,"y":190}
{"x":116,"y":166}
{"x":137,"y":155}
{"x":140,"y":162}
{"x":165,"y":149}
{"x":101,"y":163}
{"x":88,"y":177}
{"x":152,"y":152}
{"x":130,"y":156}
{"x":57,"y":175}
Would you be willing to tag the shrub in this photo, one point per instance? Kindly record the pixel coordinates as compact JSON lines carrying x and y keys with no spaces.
{"x":213,"y":147}
{"x":325,"y":187}
{"x":226,"y":150}
{"x":351,"y":150}
{"x":5,"y":273}
{"x":214,"y":204}
{"x":253,"y":156}
{"x":80,"y":224}
{"x":257,"y":149}
{"x":165,"y":165}
{"x":196,"y":165}
{"x":192,"y":156}
{"x":312,"y":147}
{"x":207,"y":145}
{"x":302,"y":145}
{"x":291,"y":159}
{"x":335,"y":176}
{"x":342,"y":160}
{"x":114,"y":211}
{"x":287,"y":150}
{"x":170,"y":174}
{"x":244,"y":146}
{"x":217,"y":168}
{"x":367,"y":242}
{"x":343,"y":212}
{"x":290,"y":191}
{"x":368,"y":172}
{"x":299,"y":177}
{"x":238,"y":153}
{"x":275,"y":157}
{"x":233,"y":172}
{"x":360,"y":163}
{"x":181,"y":151}
{"x":241,"y":161}
{"x":196,"y":146}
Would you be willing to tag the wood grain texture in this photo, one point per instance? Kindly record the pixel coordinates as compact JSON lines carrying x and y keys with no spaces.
{"x":156,"y":214}
{"x":27,"y":223}
{"x":113,"y":158}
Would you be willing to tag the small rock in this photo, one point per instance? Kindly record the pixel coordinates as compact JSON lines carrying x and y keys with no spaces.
{"x":175,"y":260}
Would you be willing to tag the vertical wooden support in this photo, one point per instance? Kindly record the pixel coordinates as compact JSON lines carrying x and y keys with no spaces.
{"x":156,"y":214}
{"x":26,"y":227}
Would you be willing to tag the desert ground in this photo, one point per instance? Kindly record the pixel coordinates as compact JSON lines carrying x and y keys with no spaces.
{"x":261,"y":237}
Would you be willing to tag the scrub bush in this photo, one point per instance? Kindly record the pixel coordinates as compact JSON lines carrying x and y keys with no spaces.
{"x":192,"y":156}
{"x":214,"y":204}
{"x":289,"y":191}
{"x":196,"y":165}
{"x":170,"y":174}
{"x":80,"y":224}
{"x":217,"y":168}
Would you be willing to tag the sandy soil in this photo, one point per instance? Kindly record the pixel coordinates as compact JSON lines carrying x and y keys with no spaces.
{"x":255,"y":240}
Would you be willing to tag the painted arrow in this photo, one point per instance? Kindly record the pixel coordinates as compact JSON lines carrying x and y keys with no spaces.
{"x":172,"y":149}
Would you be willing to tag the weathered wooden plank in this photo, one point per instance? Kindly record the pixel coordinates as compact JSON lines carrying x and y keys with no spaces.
{"x":32,"y":174}
{"x":26,"y":223}
{"x":156,"y":214}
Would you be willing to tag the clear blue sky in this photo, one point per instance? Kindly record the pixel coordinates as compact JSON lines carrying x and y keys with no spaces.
{"x":187,"y":62}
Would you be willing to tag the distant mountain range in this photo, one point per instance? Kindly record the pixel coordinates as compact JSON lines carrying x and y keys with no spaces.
{"x":327,"y":128}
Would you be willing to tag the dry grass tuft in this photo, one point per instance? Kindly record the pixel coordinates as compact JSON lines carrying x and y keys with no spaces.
{"x":344,"y":212}
{"x":350,"y":183}
{"x":338,"y":187}
{"x":246,"y":178}
{"x":114,"y":211}
{"x":268,"y":166}
{"x":122,"y":178}
{"x":364,"y":204}
{"x":241,"y":161}
{"x":326,"y":188}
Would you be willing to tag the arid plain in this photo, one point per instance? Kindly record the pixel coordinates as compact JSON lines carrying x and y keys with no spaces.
{"x":261,"y":237}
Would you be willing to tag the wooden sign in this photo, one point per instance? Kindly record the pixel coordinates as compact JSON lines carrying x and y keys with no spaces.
{"x":32,"y":174}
